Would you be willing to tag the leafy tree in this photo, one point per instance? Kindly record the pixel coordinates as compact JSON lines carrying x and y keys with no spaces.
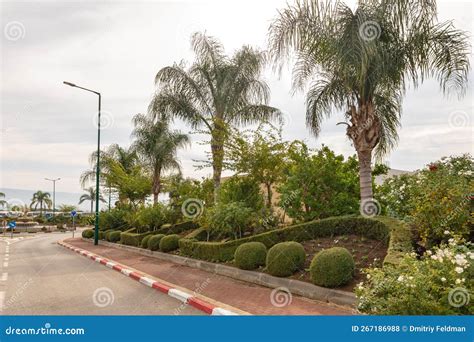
{"x":90,"y":195}
{"x":319,"y":184}
{"x":157,"y":145}
{"x":242,"y":189}
{"x":230,"y":219}
{"x":215,"y":92}
{"x":260,"y":154}
{"x":41,"y":199}
{"x":67,"y":208}
{"x":133,"y":186}
{"x":361,"y":62}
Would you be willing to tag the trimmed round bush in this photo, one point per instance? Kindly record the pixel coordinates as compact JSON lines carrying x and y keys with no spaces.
{"x":88,"y":233}
{"x":107,"y":234}
{"x":114,"y":236}
{"x":250,"y":255}
{"x":144,"y":243}
{"x":332,"y":267}
{"x":154,"y":242}
{"x":169,"y":243}
{"x":285,"y":258}
{"x":101,"y":235}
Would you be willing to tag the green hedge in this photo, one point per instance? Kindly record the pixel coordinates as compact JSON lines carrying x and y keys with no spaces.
{"x":169,"y":243}
{"x":332,"y":267}
{"x":250,"y":255}
{"x":88,"y":233}
{"x":380,"y":228}
{"x":132,"y":239}
{"x":199,"y":234}
{"x":285,"y":258}
{"x":154,"y":242}
{"x":114,"y":236}
{"x":144,"y":243}
{"x":178,"y":228}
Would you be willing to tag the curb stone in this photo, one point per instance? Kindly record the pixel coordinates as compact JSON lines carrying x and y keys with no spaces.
{"x":178,"y":293}
{"x":297,"y":287}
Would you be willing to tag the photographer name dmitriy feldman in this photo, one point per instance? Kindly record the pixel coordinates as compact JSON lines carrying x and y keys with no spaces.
{"x":437,"y":328}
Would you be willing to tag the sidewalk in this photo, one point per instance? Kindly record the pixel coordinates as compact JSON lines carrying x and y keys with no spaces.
{"x":248,"y":297}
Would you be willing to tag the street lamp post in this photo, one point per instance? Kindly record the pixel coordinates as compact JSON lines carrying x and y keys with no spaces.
{"x":54,"y":180}
{"x":96,"y":230}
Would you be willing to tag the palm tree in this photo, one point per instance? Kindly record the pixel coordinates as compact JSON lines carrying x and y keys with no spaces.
{"x":41,"y":199}
{"x":215,"y":92}
{"x":67,"y":208}
{"x":2,"y":202}
{"x":90,"y":196}
{"x":157,"y":145}
{"x":360,"y":62}
{"x":126,"y":158}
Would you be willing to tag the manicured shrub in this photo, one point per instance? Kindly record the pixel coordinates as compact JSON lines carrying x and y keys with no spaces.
{"x":88,"y":233}
{"x":107,"y":234}
{"x":383,"y":229}
{"x":250,"y":255}
{"x":169,"y":243}
{"x":131,"y":238}
{"x":114,"y":236}
{"x":285,"y":258}
{"x":332,"y":267}
{"x":154,"y":242}
{"x":144,"y":243}
{"x":101,"y":235}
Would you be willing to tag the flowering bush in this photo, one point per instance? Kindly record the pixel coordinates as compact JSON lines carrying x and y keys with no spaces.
{"x":433,"y":200}
{"x":440,"y":283}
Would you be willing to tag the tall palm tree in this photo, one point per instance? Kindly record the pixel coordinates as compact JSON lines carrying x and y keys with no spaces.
{"x":156,"y":145}
{"x":360,"y":62}
{"x":90,"y":196}
{"x":41,"y":199}
{"x":215,"y":92}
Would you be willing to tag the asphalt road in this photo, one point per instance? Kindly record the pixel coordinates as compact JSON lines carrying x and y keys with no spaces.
{"x":38,"y":277}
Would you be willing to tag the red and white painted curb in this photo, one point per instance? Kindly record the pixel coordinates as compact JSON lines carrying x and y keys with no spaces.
{"x":181,"y":295}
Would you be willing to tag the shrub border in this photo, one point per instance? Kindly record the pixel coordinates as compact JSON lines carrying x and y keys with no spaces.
{"x":387,"y":230}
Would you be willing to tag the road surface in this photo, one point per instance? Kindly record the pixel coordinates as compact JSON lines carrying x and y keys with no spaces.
{"x":38,"y":277}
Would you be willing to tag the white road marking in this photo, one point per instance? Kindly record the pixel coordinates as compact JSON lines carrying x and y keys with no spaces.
{"x":4,"y":276}
{"x":179,"y":295}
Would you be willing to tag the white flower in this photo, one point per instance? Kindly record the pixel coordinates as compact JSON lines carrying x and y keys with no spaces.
{"x":458,"y":281}
{"x":410,"y":278}
{"x":428,"y":252}
{"x":443,"y":279}
{"x":400,"y":278}
{"x":368,"y":276}
{"x":459,"y":269}
{"x":446,"y":232}
{"x":434,"y":257}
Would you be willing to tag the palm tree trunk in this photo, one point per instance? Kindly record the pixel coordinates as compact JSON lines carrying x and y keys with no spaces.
{"x":217,"y":151}
{"x":365,"y":175}
{"x":156,"y":186}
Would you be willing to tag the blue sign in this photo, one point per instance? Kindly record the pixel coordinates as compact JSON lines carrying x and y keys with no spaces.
{"x":73,"y":213}
{"x":11,"y":224}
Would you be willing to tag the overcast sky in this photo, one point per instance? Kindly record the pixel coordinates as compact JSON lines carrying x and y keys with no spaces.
{"x":117,"y":47}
